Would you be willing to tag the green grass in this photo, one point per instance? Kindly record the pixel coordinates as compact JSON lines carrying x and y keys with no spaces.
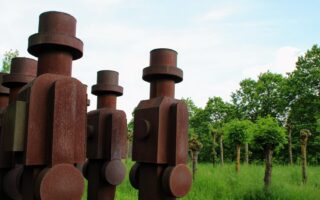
{"x":222,"y":183}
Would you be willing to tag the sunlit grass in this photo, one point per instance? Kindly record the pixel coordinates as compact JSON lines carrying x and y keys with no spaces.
{"x":222,"y":183}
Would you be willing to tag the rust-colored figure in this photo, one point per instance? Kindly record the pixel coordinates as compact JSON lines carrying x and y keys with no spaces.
{"x":52,"y":138}
{"x":23,"y":70}
{"x":106,"y":140}
{"x":160,"y":139}
{"x":4,"y":101}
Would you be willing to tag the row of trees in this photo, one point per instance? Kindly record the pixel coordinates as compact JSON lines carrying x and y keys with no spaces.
{"x":265,"y":115}
{"x":292,"y":101}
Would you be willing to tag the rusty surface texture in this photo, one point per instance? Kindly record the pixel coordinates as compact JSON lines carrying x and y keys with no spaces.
{"x":160,"y":133}
{"x":49,"y":138}
{"x":106,"y":139}
{"x":4,"y":100}
{"x":4,"y":93}
{"x":23,"y":70}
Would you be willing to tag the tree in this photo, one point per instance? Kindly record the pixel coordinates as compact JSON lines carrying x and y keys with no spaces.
{"x":130,"y":128}
{"x":269,"y":136}
{"x":6,"y":61}
{"x":261,"y":98}
{"x":304,"y":135}
{"x":238,"y":133}
{"x":218,"y":112}
{"x":245,"y":100}
{"x":198,"y":124}
{"x":194,"y":146}
{"x":192,"y":108}
{"x":214,"y":134}
{"x":303,"y":91}
{"x":221,"y":135}
{"x":305,"y":78}
{"x":289,"y":129}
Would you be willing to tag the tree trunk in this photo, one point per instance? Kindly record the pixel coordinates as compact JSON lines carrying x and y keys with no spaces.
{"x":221,"y":150}
{"x":214,"y":153}
{"x":194,"y":157}
{"x":246,"y":147}
{"x":290,"y":143}
{"x":304,"y":160}
{"x":268,"y":171}
{"x":238,"y":158}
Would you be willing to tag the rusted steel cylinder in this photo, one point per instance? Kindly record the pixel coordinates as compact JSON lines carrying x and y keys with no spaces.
{"x":4,"y":93}
{"x":162,"y":73}
{"x":23,"y":70}
{"x":56,"y":44}
{"x":107,"y":89}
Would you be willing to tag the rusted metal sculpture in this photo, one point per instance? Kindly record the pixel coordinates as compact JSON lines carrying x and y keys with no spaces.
{"x":23,"y":71}
{"x":4,"y":101}
{"x":4,"y":93}
{"x":107,"y":132}
{"x":52,"y":138}
{"x":160,"y":139}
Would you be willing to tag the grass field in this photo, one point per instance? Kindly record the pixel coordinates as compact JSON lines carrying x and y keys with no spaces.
{"x":222,"y":183}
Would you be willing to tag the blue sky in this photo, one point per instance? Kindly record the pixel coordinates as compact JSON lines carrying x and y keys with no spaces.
{"x":219,"y":42}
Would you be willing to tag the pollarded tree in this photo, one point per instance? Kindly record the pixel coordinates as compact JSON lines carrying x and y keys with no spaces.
{"x":194,"y":146}
{"x":221,"y":137}
{"x":214,"y":134}
{"x":304,"y":135}
{"x":238,"y":133}
{"x":269,"y":136}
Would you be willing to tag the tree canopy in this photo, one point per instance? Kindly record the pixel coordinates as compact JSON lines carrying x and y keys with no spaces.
{"x":6,"y":61}
{"x":238,"y":131}
{"x":268,"y":133}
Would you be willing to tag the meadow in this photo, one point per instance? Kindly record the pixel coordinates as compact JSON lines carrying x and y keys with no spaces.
{"x":222,"y":183}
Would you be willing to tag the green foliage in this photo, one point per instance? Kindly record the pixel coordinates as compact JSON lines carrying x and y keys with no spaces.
{"x":6,"y":61}
{"x":201,"y":120}
{"x":192,"y":108}
{"x":219,"y":111}
{"x":131,"y":123}
{"x":130,"y":126}
{"x":261,"y":98}
{"x":238,"y":131}
{"x":305,"y":78}
{"x":268,"y":134}
{"x":245,"y":101}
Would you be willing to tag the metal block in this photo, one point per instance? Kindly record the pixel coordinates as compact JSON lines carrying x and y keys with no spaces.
{"x":15,"y":126}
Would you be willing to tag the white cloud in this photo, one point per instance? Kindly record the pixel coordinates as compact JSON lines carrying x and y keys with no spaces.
{"x":214,"y":59}
{"x":284,"y":61}
{"x":219,"y":13}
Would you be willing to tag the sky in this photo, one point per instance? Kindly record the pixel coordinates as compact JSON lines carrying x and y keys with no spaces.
{"x":219,"y":43}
